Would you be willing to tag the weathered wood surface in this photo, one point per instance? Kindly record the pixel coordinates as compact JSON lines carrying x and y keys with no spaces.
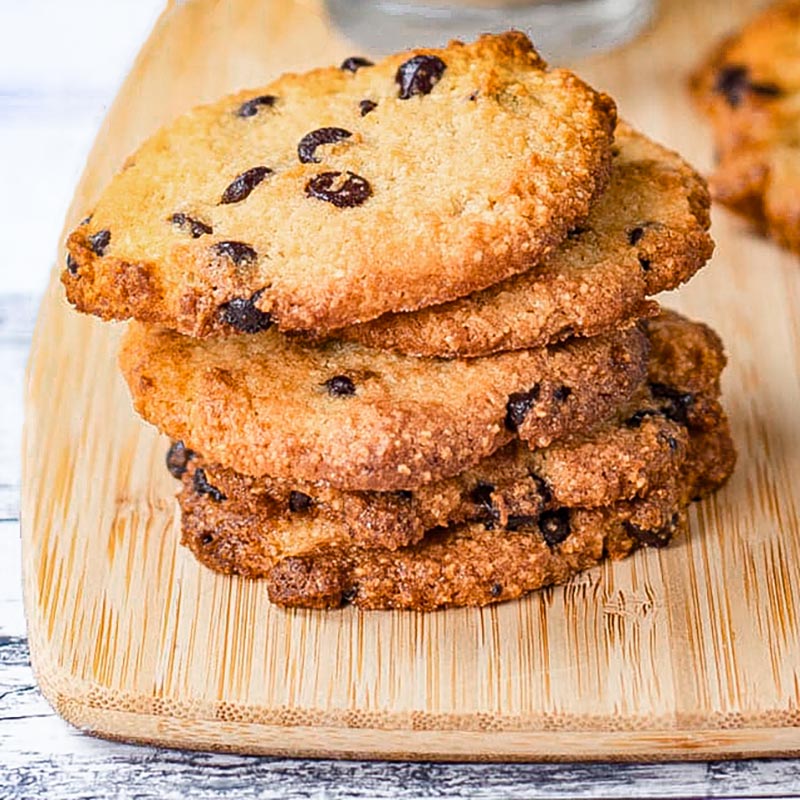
{"x":699,"y":640}
{"x":41,"y":756}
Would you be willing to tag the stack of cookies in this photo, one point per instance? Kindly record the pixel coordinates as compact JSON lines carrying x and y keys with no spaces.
{"x":396,"y":319}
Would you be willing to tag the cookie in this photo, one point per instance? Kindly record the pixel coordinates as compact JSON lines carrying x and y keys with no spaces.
{"x":645,"y":445}
{"x":665,"y":449}
{"x":469,"y":564}
{"x":647,"y":233}
{"x":749,"y":88}
{"x":330,"y":198}
{"x":363,"y":419}
{"x":507,"y":489}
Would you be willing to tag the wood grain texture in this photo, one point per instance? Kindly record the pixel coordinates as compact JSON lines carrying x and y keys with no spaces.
{"x":684,"y":653}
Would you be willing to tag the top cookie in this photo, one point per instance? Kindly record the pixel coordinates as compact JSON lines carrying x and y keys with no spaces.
{"x":330,"y":198}
{"x":749,"y":87}
{"x":648,"y":233}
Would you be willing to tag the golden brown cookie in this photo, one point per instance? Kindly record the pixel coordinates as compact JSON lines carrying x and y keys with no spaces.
{"x":749,"y":87}
{"x":605,"y":493}
{"x":363,"y":419}
{"x":646,"y":234}
{"x":332,"y":197}
{"x":469,"y":564}
{"x":509,"y":489}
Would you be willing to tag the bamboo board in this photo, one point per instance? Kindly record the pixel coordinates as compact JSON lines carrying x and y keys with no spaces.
{"x":690,"y":652}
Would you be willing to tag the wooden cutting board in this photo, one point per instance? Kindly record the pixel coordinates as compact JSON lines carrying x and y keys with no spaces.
{"x":685,"y":653}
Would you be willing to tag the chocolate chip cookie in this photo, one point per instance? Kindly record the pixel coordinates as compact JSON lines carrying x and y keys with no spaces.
{"x":621,"y":486}
{"x":749,"y":87}
{"x":363,"y":419}
{"x":469,"y":564}
{"x":644,"y":445}
{"x":466,"y":565}
{"x":473,"y":563}
{"x":330,"y":198}
{"x":646,"y":234}
{"x":508,"y":489}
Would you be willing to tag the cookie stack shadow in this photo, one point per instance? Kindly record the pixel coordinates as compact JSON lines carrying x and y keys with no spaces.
{"x":401,"y":375}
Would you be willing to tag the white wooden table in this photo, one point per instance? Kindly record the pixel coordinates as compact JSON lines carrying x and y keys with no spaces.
{"x":50,"y":106}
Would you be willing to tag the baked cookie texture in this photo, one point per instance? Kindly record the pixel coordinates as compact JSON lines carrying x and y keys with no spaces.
{"x":472,"y":563}
{"x":519,"y":520}
{"x":363,"y":419}
{"x":330,"y":198}
{"x":647,"y":233}
{"x":749,"y":88}
{"x":397,"y":319}
{"x":509,"y":488}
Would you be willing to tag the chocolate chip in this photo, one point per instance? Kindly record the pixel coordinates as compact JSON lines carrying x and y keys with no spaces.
{"x":366,"y":106}
{"x":191,"y":225}
{"x":340,"y":386}
{"x":354,"y":191}
{"x":518,"y":406}
{"x":242,"y":314}
{"x":311,"y":141}
{"x":299,"y":501}
{"x":496,"y":590}
{"x":673,"y":443}
{"x":659,"y":537}
{"x":555,"y":526}
{"x":481,"y":495}
{"x":349,"y":595}
{"x":419,"y":75}
{"x":635,"y":235}
{"x":207,"y":538}
{"x":733,"y":82}
{"x":244,"y":184}
{"x":251,"y":107}
{"x":178,"y":458}
{"x":561,"y":393}
{"x":636,"y":420}
{"x":99,"y":241}
{"x":519,"y":521}
{"x":238,"y":252}
{"x":674,"y":404}
{"x":85,"y":221}
{"x":202,"y":486}
{"x":644,"y":263}
{"x":354,"y":63}
{"x":473,"y":96}
{"x":72,"y":265}
{"x":542,"y":488}
{"x":766,"y":89}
